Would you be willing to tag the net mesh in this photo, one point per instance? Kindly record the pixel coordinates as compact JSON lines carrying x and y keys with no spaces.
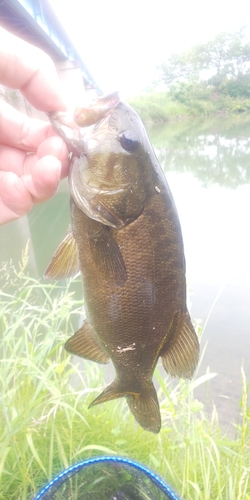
{"x":107,"y":478}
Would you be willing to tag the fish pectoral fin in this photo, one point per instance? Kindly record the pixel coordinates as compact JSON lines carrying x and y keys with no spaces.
{"x":105,"y":213}
{"x":180,"y":354}
{"x":145,"y":408}
{"x":84,"y":344}
{"x":64,"y":263}
{"x":106,"y":252}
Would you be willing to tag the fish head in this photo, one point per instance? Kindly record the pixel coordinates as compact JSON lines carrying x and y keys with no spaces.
{"x":111,"y":170}
{"x":116,"y":145}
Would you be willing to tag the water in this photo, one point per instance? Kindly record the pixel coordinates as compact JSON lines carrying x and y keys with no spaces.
{"x":207,"y":165}
{"x":208,"y":169}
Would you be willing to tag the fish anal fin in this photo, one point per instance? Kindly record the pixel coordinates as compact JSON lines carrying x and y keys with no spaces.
{"x":64,"y":263}
{"x":180,"y":355}
{"x":144,"y":406}
{"x":84,"y":344}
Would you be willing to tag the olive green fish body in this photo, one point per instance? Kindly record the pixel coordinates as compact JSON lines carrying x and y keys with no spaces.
{"x":126,"y":237}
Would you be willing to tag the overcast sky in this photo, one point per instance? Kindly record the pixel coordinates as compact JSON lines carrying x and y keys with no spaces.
{"x":122,"y":42}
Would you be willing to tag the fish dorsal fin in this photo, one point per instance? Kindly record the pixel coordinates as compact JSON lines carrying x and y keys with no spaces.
{"x":64,"y":263}
{"x":180,"y":355}
{"x":84,"y":344}
{"x":106,"y":251}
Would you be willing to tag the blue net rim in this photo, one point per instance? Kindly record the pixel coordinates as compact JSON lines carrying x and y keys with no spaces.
{"x":74,"y":468}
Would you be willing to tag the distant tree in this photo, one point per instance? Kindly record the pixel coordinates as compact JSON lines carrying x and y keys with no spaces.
{"x":179,"y":67}
{"x":222,"y":63}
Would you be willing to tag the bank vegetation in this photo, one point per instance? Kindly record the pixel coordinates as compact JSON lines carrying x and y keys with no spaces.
{"x":46,"y":426}
{"x":209,"y":78}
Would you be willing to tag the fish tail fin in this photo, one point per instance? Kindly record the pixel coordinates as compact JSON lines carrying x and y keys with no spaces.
{"x":181,"y":356}
{"x":113,"y":391}
{"x":144,"y":406}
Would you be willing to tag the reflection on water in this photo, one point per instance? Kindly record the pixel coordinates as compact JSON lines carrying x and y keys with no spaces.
{"x":207,"y":165}
{"x":208,"y":169}
{"x":214,"y":152}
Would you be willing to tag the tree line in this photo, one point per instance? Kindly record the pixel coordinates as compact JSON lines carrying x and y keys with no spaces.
{"x":220,"y":66}
{"x":208,"y":78}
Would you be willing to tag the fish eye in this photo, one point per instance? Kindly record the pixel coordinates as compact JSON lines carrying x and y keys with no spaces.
{"x":129,"y":141}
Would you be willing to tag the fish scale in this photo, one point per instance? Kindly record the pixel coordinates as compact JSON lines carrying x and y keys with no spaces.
{"x":126,"y":241}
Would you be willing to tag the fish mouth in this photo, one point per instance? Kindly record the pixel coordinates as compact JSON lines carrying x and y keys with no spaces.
{"x":98,"y":109}
{"x":64,"y":124}
{"x":77,"y":127}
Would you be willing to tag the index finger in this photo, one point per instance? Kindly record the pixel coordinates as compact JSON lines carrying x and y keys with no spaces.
{"x":30,"y":70}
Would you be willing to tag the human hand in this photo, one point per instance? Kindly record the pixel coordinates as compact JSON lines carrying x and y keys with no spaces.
{"x":33,"y":158}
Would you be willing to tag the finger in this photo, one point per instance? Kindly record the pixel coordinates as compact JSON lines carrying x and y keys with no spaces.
{"x":29,"y":69}
{"x":15,"y":199}
{"x":43,"y":181}
{"x":20,"y":131}
{"x":18,"y":162}
{"x":12,"y":160}
{"x":55,"y":146}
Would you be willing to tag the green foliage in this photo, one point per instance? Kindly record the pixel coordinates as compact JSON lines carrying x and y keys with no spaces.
{"x":202,"y":77}
{"x":179,"y":67}
{"x":235,"y":88}
{"x":185,"y":100}
{"x":227,"y":56}
{"x":157,"y":106}
{"x":45,"y":425}
{"x":195,"y":95}
{"x":187,"y":92}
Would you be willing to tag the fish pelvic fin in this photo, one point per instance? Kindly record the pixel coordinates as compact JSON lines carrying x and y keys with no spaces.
{"x":182,"y":352}
{"x":84,"y":344}
{"x":64,"y":263}
{"x":144,"y":406}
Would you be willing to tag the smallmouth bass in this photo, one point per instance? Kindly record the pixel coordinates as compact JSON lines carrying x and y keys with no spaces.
{"x":126,"y":240}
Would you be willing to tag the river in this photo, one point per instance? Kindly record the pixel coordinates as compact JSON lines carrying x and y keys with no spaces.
{"x":207,"y":164}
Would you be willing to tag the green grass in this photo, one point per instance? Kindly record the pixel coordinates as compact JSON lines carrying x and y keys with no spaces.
{"x":45,"y":425}
{"x":154,"y":106}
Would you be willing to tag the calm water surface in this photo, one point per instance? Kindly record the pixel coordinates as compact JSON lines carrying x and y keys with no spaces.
{"x":207,"y":165}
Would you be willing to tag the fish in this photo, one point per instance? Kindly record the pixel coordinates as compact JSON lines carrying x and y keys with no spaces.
{"x":125,"y":239}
